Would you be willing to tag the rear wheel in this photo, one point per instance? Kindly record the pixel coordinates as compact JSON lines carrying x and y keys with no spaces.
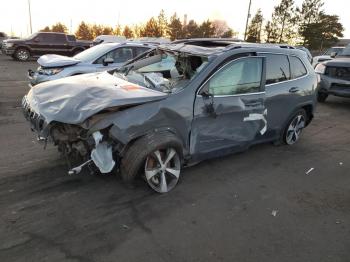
{"x":157,"y":158}
{"x":294,"y":128}
{"x":22,"y":54}
{"x":321,"y":97}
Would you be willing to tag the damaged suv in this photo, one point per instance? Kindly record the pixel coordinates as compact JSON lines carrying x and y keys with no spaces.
{"x":176,"y":106}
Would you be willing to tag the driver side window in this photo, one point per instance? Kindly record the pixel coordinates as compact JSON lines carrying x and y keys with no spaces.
{"x":119,"y":55}
{"x":240,"y":76}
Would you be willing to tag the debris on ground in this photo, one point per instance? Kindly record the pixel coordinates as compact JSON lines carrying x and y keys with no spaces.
{"x":309,"y":171}
{"x":125,"y":227}
{"x":274,"y":212}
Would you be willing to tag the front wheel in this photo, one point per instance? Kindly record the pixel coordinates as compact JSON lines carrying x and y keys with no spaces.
{"x":295,"y":127}
{"x":157,"y":158}
{"x":22,"y":54}
{"x":321,"y":97}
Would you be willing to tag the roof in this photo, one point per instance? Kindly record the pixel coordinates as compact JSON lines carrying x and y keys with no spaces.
{"x":189,"y":48}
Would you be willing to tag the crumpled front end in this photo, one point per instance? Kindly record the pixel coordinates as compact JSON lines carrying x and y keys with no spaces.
{"x":74,"y":142}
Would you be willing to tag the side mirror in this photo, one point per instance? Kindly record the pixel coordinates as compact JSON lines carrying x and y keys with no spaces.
{"x":333,"y":54}
{"x":108,"y":61}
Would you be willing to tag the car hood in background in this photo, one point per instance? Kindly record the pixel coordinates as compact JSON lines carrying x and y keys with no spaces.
{"x":338,"y":62}
{"x":57,"y":61}
{"x":73,"y":99}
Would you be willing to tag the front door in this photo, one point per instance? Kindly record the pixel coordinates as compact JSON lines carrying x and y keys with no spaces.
{"x":229,"y":109}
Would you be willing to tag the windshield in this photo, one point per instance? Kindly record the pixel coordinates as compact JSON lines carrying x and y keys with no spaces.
{"x":92,"y":53}
{"x":165,"y":72}
{"x":32,"y":36}
{"x":345,"y":51}
{"x":337,"y":50}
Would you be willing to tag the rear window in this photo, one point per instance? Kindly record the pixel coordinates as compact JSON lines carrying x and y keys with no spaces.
{"x":297,"y":67}
{"x":277,"y":68}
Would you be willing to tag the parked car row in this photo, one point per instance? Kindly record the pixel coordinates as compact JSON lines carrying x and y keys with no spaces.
{"x":168,"y":106}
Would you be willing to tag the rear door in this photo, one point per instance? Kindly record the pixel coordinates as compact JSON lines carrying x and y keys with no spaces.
{"x":281,"y":92}
{"x":229,"y":109}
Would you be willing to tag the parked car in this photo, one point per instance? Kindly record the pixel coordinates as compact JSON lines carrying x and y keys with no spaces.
{"x":3,"y":37}
{"x":44,"y":43}
{"x":212,"y":102}
{"x":335,"y":76}
{"x":328,"y":55}
{"x":108,"y":39}
{"x":98,"y":58}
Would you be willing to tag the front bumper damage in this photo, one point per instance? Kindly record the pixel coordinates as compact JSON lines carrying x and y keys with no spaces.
{"x":93,"y":149}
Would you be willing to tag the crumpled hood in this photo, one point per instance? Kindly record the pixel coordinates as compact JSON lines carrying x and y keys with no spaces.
{"x":57,"y":61}
{"x":73,"y":99}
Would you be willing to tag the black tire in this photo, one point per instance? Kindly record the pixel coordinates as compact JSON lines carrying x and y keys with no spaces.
{"x":300,"y":112}
{"x":22,"y":54}
{"x":134,"y":158}
{"x":321,"y":97}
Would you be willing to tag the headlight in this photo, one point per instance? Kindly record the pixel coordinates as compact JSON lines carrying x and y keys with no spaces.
{"x":320,"y":69}
{"x":50,"y":71}
{"x":9,"y":44}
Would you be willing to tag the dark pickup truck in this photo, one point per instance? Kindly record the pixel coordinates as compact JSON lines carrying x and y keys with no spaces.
{"x":44,"y":43}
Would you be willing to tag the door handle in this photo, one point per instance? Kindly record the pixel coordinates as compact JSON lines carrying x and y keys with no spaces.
{"x":294,"y":90}
{"x":253,"y":103}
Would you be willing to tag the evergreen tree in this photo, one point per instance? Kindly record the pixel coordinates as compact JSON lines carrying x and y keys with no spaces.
{"x":46,"y":29}
{"x":84,"y":31}
{"x":175,"y":28}
{"x":192,"y":30}
{"x":59,"y":28}
{"x":307,"y":14}
{"x":118,"y":30}
{"x":281,"y":29}
{"x":254,"y":29}
{"x":206,"y":29}
{"x":151,"y":29}
{"x":107,"y":30}
{"x":323,"y":33}
{"x":162,"y":24}
{"x":127,"y":32}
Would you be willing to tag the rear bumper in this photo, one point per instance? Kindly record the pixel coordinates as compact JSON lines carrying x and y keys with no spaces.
{"x":334,"y":86}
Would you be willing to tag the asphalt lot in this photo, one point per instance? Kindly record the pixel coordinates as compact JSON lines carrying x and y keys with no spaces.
{"x":221,"y":210}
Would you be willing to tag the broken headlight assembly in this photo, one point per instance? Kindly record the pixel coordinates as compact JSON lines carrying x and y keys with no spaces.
{"x":50,"y":71}
{"x":320,"y":69}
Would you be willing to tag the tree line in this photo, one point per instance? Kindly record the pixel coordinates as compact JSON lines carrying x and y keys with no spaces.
{"x":307,"y":25}
{"x":159,"y":26}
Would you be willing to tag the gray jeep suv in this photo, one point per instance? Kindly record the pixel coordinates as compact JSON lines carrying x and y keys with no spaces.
{"x":176,"y":106}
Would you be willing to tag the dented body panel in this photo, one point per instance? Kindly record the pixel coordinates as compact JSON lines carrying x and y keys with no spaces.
{"x":207,"y":126}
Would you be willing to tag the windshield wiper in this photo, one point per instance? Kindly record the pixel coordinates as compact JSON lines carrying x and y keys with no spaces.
{"x":128,"y":70}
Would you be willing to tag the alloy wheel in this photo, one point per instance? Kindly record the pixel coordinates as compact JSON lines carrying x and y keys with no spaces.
{"x":294,"y":130}
{"x":162,"y":169}
{"x":22,"y":55}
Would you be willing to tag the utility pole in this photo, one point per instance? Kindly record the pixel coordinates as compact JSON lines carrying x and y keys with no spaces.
{"x":248,"y":16}
{"x":30,"y":18}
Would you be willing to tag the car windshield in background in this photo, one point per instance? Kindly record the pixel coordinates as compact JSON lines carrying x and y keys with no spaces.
{"x":334,"y":49}
{"x":92,"y":53}
{"x":168,"y":74}
{"x":345,"y":51}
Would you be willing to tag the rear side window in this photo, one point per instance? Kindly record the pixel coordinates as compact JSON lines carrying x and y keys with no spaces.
{"x":60,"y":38}
{"x":297,"y":67}
{"x":277,"y":68}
